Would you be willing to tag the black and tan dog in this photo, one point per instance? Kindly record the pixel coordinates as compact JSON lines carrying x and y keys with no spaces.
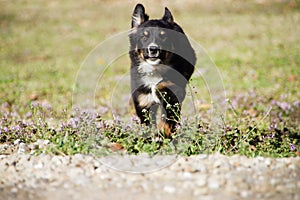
{"x":162,"y":62}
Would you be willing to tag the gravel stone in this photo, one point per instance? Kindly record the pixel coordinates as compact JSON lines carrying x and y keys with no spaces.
{"x":195,"y":177}
{"x":201,"y":181}
{"x":22,"y":148}
{"x":244,"y":194}
{"x":200,"y":191}
{"x":213,"y":184}
{"x":17,"y":141}
{"x":169,"y":189}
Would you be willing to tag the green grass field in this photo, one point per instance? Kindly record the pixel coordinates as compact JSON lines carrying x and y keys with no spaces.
{"x":254,"y":44}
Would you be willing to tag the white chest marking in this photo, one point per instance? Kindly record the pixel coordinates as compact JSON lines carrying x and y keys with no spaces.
{"x":145,"y":68}
{"x":150,"y":79}
{"x":150,"y":74}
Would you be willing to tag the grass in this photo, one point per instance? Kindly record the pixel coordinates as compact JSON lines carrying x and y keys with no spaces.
{"x":255,"y":46}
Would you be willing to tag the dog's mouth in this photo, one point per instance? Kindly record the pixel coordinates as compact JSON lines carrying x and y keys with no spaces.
{"x":152,"y":55}
{"x":153,"y":60}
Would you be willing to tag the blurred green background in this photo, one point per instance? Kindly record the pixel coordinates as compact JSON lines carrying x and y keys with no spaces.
{"x":255,"y":44}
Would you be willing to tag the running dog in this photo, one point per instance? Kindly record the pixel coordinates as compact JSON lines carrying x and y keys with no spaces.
{"x":162,"y":63}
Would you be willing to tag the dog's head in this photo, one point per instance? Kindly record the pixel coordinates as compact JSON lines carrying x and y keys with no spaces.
{"x":153,"y":39}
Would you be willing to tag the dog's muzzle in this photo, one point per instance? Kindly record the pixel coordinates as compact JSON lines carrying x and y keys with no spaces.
{"x":153,"y":51}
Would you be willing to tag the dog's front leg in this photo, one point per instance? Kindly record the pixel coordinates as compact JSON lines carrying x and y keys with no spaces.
{"x":171,"y":97}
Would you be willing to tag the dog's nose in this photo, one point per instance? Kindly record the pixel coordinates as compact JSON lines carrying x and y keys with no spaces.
{"x":153,"y":50}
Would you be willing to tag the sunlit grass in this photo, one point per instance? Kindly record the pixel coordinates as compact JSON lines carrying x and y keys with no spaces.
{"x":255,"y":46}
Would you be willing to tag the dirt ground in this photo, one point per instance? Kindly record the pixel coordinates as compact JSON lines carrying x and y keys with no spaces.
{"x":23,"y":176}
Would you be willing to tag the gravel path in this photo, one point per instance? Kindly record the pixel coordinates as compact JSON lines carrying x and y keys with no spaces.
{"x":23,"y":176}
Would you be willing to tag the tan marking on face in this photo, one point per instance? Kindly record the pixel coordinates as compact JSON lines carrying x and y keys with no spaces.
{"x":142,"y":55}
{"x":146,"y":33}
{"x":162,"y":32}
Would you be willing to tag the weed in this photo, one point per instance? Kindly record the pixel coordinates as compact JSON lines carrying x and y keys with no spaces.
{"x":255,"y":47}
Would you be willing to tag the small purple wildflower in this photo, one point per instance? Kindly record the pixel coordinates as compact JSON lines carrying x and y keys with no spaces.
{"x":268,"y":136}
{"x":273,"y":125}
{"x":116,"y":119}
{"x":285,"y":106}
{"x":34,"y":104}
{"x":101,"y":125}
{"x":15,"y":115}
{"x":74,"y":122}
{"x":128,"y":126}
{"x":16,"y":128}
{"x":5,"y":129}
{"x":178,"y":126}
{"x":135,"y":119}
{"x":4,"y":106}
{"x":296,"y":103}
{"x":28,"y":115}
{"x":293,"y":147}
{"x":103,"y":109}
{"x":46,"y":105}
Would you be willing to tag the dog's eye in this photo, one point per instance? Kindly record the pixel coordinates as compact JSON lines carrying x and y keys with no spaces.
{"x":145,"y":35}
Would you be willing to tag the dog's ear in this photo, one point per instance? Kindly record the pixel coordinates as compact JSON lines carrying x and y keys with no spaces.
{"x":139,"y":16}
{"x":168,"y":16}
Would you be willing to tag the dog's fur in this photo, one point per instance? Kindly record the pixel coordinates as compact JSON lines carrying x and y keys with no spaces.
{"x":162,"y":62}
